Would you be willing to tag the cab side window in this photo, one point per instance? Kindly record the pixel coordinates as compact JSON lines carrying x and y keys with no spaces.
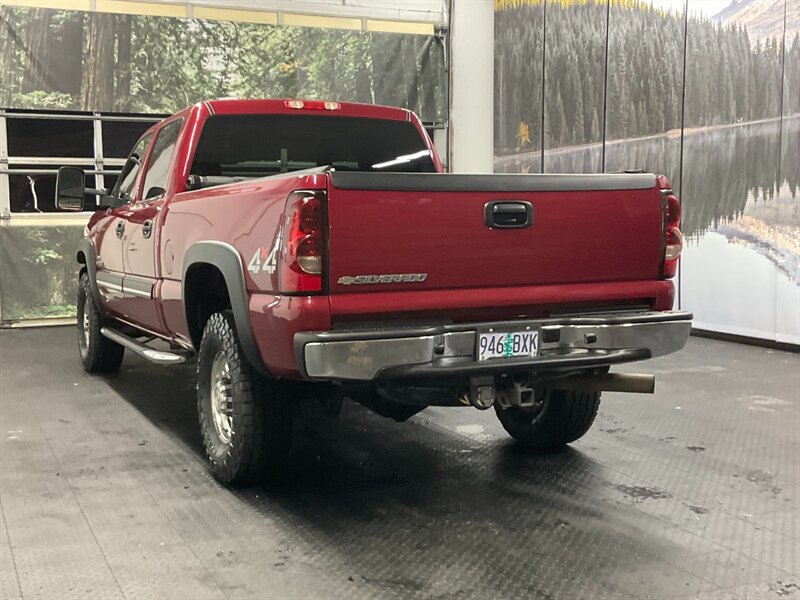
{"x":157,"y":174}
{"x":127,"y":178}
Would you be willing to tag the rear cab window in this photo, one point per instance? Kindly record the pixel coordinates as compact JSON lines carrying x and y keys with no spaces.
{"x":261,"y":145}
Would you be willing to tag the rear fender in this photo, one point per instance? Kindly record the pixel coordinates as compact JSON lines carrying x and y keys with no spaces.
{"x":225,"y":258}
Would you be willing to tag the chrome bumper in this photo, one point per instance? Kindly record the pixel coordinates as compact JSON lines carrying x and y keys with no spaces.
{"x":450,"y":350}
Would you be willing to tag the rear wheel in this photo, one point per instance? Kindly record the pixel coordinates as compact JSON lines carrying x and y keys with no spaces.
{"x":98,"y":353}
{"x":244,"y":416}
{"x":557,"y":418}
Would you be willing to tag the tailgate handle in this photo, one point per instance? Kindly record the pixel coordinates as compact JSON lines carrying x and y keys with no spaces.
{"x":508,"y":214}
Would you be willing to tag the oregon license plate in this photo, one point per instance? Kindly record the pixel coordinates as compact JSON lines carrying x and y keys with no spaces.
{"x":508,"y":344}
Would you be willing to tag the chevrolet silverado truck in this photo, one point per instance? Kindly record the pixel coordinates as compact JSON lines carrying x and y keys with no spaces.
{"x":309,"y":251}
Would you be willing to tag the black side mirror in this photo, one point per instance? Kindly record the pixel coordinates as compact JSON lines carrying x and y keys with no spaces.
{"x":70,"y":189}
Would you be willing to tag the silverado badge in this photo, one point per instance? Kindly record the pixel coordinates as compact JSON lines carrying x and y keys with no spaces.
{"x":391,"y":278}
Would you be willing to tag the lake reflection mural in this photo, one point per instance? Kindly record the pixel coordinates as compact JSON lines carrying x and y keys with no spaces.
{"x":725,"y":130}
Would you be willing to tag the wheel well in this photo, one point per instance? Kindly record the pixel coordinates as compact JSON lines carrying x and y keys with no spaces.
{"x":205,"y":292}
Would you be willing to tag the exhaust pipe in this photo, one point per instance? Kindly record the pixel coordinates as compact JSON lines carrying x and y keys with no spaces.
{"x":635,"y":383}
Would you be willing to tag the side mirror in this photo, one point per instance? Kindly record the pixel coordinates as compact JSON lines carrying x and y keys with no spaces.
{"x":70,"y":189}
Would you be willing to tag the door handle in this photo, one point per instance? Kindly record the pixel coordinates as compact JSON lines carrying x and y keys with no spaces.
{"x":147,"y":228}
{"x":508,"y":214}
{"x":120,"y":228}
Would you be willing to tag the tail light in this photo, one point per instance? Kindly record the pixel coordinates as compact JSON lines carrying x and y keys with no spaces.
{"x":673,"y":238}
{"x":303,"y":242}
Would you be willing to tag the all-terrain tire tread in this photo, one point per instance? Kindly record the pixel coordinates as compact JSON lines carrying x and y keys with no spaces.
{"x":567,"y":416}
{"x":262,"y":430}
{"x":102,"y":355}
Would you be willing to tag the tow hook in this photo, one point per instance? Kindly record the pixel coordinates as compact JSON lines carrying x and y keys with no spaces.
{"x":481,"y":392}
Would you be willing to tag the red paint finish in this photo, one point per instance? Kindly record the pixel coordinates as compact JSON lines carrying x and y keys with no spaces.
{"x":576,"y":237}
{"x":592,"y":249}
{"x":275,"y":320}
{"x":498,"y":303}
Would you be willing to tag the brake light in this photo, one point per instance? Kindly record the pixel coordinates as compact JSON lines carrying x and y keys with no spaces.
{"x":312,"y":105}
{"x":673,"y":238}
{"x":303,"y":242}
{"x":672,"y":214}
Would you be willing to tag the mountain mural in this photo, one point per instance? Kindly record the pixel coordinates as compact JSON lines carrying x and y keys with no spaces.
{"x":762,"y":18}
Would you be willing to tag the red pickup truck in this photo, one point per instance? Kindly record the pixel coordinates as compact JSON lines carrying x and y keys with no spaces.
{"x":317,"y":250}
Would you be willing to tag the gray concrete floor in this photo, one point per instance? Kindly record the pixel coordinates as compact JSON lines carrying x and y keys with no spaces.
{"x":691,"y":493}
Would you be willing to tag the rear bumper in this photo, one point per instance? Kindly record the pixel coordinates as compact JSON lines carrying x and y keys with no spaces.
{"x":449,"y":350}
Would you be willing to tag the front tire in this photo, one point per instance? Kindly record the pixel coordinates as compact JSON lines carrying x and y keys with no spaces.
{"x":98,"y":353}
{"x":558,"y":418}
{"x":244,"y":417}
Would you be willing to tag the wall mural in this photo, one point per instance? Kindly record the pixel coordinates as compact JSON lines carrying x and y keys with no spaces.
{"x":130,"y":63}
{"x":737,"y":130}
{"x":72,"y":60}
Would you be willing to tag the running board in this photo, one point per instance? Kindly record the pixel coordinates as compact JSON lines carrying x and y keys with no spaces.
{"x":160,"y":357}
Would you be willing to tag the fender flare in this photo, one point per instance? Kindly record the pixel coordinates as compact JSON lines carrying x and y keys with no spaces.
{"x":225,"y":258}
{"x":86,"y":248}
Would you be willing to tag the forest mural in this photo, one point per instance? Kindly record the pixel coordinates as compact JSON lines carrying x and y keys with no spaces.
{"x":740,"y":77}
{"x":670,"y":87}
{"x":71,"y":60}
{"x":131,"y":63}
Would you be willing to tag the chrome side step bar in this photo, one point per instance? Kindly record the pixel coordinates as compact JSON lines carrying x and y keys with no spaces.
{"x":160,"y":357}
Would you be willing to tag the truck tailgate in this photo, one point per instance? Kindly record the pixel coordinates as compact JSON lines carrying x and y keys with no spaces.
{"x":585,"y":228}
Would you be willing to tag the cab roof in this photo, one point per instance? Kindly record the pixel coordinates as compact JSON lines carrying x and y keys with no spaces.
{"x":236,"y":106}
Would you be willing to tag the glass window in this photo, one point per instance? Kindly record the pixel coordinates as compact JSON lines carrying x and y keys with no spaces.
{"x":258,"y":145}
{"x":157,"y":174}
{"x":127,"y":177}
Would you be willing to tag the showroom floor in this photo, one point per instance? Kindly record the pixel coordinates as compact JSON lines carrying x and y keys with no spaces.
{"x":692,"y":493}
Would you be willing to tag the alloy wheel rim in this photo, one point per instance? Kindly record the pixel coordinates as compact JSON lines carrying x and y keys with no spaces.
{"x":85,"y":327}
{"x":222,"y":398}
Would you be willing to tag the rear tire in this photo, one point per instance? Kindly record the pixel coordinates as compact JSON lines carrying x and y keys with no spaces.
{"x":560,"y":417}
{"x":98,"y":353}
{"x":244,"y":417}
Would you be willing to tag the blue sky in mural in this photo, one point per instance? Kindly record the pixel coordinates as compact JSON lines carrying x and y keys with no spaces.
{"x":706,"y":7}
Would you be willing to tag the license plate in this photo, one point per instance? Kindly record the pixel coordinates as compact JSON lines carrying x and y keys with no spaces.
{"x":508,"y":344}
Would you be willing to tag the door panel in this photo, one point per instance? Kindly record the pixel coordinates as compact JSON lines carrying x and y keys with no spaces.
{"x":110,"y":267}
{"x":139,"y":258}
{"x":111,"y":232}
{"x":141,"y":239}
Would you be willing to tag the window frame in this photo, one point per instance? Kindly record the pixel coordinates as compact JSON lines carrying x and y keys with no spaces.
{"x":147,"y":138}
{"x":148,"y":163}
{"x":233,"y":116}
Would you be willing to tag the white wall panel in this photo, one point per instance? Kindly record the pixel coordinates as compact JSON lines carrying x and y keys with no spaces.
{"x":472,"y":86}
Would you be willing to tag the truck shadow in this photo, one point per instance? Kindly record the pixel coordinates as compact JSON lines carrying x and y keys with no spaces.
{"x":357,"y":451}
{"x":368,"y":492}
